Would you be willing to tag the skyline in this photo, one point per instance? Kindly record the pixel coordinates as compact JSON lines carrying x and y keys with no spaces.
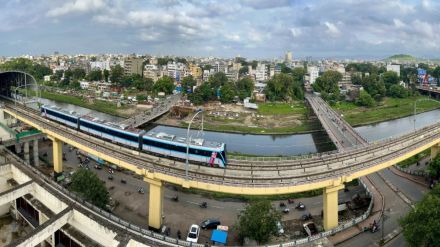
{"x":254,"y":29}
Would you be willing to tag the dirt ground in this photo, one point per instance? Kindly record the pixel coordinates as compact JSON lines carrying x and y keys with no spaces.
{"x":229,"y":117}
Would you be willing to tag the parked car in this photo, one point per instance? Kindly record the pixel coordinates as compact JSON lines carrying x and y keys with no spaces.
{"x":193,"y":233}
{"x":210,"y":224}
{"x":310,"y":228}
{"x":280,"y":228}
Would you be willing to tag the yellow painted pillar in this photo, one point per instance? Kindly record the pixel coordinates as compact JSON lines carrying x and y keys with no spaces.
{"x":155,"y":203}
{"x":57,"y":148}
{"x":435,"y":150}
{"x":330,"y":207}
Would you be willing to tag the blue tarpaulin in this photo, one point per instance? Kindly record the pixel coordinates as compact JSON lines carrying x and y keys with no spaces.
{"x":219,"y":236}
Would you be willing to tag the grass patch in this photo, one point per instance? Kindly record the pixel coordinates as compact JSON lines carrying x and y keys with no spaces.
{"x":389,"y":108}
{"x":296,"y":107}
{"x":304,"y":128}
{"x":97,"y":105}
{"x":415,"y":158}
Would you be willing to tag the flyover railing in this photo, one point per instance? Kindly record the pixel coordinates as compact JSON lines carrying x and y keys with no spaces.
{"x":234,"y":157}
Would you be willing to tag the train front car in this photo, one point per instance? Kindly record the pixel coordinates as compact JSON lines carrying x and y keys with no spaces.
{"x":199,"y":150}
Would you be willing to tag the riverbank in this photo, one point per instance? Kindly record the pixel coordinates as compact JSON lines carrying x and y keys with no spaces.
{"x":97,"y":105}
{"x":271,"y":118}
{"x":388,"y":109}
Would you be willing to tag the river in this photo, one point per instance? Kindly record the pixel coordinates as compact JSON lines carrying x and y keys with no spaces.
{"x":295,"y":144}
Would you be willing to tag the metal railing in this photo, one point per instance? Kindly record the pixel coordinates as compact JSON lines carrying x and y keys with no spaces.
{"x":411,"y":172}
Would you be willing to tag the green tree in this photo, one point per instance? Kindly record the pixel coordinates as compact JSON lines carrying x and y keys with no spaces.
{"x":57,"y":76}
{"x":164,"y":84}
{"x":117,"y":74}
{"x":106,"y":75}
{"x":374,"y":86}
{"x":164,"y":60}
{"x":90,"y":187}
{"x":78,"y":73}
{"x":298,"y":74}
{"x":94,"y":75}
{"x":245,"y":87}
{"x":434,"y":167}
{"x":421,"y":226}
{"x":356,"y":79}
{"x":202,"y":94}
{"x":258,"y":221}
{"x":254,"y":64}
{"x":207,"y":67}
{"x":143,"y":84}
{"x":227,"y":93}
{"x":390,"y":78}
{"x":398,"y":91}
{"x":217,"y":80}
{"x":25,"y":65}
{"x":283,"y":87}
{"x":327,"y":84}
{"x":243,"y":71}
{"x":188,"y":84}
{"x":365,"y":99}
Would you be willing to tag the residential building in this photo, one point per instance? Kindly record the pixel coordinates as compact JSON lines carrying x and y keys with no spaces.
{"x":313,"y":73}
{"x":195,"y":71}
{"x":261,"y":73}
{"x":288,"y":57}
{"x":133,"y":66}
{"x":394,"y":67}
{"x":101,"y":65}
{"x":151,"y":71}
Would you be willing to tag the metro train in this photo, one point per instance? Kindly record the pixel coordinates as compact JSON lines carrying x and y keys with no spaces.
{"x":200,"y":150}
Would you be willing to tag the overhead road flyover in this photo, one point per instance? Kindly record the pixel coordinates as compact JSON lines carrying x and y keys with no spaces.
{"x":339,"y":131}
{"x":329,"y":172}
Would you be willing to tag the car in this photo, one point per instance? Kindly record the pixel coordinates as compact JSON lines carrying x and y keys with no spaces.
{"x":310,"y":228}
{"x":210,"y":224}
{"x":193,"y":233}
{"x":280,"y":229}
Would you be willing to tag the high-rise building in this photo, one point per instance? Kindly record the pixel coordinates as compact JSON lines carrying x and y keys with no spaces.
{"x":133,"y":65}
{"x":288,"y":58}
{"x":313,"y":72}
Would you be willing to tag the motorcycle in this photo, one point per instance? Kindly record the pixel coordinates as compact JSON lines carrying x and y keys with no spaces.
{"x":175,"y":198}
{"x":204,"y":205}
{"x":290,"y":201}
{"x":286,"y":210}
{"x":300,"y":206}
{"x":282,"y":204}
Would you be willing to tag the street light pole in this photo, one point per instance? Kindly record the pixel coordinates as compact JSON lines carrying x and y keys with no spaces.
{"x":188,"y":142}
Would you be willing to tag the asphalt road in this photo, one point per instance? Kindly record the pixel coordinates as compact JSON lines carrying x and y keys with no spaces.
{"x":395,"y":208}
{"x":133,"y":206}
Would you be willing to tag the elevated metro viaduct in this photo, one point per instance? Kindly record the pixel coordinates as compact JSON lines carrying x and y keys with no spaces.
{"x":156,"y":172}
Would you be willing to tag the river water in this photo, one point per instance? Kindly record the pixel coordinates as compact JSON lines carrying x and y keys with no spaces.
{"x":285,"y":145}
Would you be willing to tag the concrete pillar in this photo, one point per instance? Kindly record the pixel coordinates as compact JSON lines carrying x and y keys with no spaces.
{"x":35,"y":150}
{"x":330,"y":210}
{"x":26,"y":153}
{"x":435,"y":150}
{"x":18,"y":148}
{"x":155,"y":203}
{"x":57,"y":147}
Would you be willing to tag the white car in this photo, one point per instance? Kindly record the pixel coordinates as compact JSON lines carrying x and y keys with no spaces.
{"x":193,"y":234}
{"x":280,"y":228}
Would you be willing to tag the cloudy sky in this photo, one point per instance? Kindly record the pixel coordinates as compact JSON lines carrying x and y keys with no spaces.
{"x":250,"y":28}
